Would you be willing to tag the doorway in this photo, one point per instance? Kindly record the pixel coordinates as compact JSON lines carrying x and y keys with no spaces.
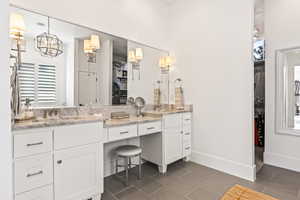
{"x":259,"y":84}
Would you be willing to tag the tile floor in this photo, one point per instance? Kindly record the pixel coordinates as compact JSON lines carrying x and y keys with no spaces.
{"x":189,"y":181}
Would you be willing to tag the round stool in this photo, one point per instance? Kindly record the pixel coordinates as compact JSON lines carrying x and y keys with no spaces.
{"x":127,"y":152}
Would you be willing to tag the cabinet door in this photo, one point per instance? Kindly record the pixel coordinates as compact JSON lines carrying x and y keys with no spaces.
{"x":173,"y":145}
{"x":78,"y":172}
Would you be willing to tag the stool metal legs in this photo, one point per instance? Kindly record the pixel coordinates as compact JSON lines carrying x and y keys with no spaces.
{"x":140,"y":166}
{"x":126,"y":169}
{"x":127,"y":165}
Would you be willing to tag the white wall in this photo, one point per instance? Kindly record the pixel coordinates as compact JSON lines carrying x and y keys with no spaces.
{"x":282,"y":30}
{"x":212,"y":42}
{"x":138,"y":20}
{"x":5,"y":134}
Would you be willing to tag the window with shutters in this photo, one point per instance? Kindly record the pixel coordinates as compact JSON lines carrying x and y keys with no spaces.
{"x":38,"y":83}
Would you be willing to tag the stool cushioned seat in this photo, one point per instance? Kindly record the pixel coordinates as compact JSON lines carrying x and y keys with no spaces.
{"x":128,"y":151}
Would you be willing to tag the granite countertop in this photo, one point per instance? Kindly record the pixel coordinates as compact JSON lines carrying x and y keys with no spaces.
{"x":169,"y":111}
{"x":149,"y":116}
{"x":131,"y":120}
{"x":43,"y":123}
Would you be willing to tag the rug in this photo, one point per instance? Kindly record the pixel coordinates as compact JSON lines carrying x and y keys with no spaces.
{"x":242,"y":193}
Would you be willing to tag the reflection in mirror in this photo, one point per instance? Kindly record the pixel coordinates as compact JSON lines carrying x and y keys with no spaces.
{"x":288,"y":90}
{"x":149,"y":72}
{"x":81,"y":66}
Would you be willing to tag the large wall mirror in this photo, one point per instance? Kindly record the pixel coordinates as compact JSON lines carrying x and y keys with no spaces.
{"x":86,"y":66}
{"x":288,"y":91}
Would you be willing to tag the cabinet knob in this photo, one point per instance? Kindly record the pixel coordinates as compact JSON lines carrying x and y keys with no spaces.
{"x":59,"y":162}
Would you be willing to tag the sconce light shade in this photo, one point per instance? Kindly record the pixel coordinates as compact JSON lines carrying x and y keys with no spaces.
{"x":165,"y":63}
{"x":87,"y":47}
{"x":168,"y":61}
{"x":95,"y":42}
{"x":162,"y":62}
{"x":17,"y":26}
{"x":131,"y":56}
{"x":90,"y":48}
{"x":139,"y":55}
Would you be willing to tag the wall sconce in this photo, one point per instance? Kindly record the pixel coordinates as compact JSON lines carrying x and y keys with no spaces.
{"x":165,"y":64}
{"x":17,"y":26}
{"x":90,"y":48}
{"x":135,"y":57}
{"x":17,"y":29}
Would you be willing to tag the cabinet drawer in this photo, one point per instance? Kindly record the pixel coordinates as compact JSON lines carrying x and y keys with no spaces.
{"x":187,"y":128}
{"x":44,"y":193}
{"x":172,"y":121}
{"x":77,"y":135}
{"x":187,"y":119}
{"x":33,"y":142}
{"x":187,"y":137}
{"x":33,"y":172}
{"x":122,"y":132}
{"x":150,"y":127}
{"x":187,"y":149}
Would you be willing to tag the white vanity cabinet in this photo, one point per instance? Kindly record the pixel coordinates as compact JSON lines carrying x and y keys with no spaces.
{"x":77,"y":172}
{"x":173,"y":144}
{"x":78,"y":162}
{"x":177,"y":131}
{"x":59,"y":163}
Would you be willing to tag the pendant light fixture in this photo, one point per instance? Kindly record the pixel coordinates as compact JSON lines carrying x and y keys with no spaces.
{"x":48,"y":44}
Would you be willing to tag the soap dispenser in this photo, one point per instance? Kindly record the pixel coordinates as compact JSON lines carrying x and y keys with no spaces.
{"x":157,"y":95}
{"x":28,"y":113}
{"x":179,"y":99}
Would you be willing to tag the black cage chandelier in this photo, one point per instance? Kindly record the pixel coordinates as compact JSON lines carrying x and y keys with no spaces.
{"x":48,"y":44}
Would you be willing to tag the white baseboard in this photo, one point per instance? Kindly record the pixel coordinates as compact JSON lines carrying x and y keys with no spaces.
{"x":282,"y":161}
{"x":230,"y":167}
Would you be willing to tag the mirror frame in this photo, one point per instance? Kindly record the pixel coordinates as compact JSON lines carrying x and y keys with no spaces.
{"x":280,"y":99}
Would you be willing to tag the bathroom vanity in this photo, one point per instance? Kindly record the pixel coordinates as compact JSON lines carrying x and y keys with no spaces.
{"x":63,"y":159}
{"x":64,"y":144}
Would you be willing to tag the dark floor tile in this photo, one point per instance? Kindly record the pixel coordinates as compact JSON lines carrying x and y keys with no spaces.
{"x":178,"y":169}
{"x":252,"y":185}
{"x":201,"y":194}
{"x":287,"y":178}
{"x":218,"y":183}
{"x":148,"y":170}
{"x":108,"y":196}
{"x":269,"y":172}
{"x":132,"y":193}
{"x":164,"y":194}
{"x":114,"y":184}
{"x":279,"y":194}
{"x":281,"y":189}
{"x":165,"y":180}
{"x":189,"y":181}
{"x":148,"y":185}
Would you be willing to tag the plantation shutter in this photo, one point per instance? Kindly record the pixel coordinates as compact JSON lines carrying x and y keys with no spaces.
{"x":37,"y":83}
{"x":27,"y":82}
{"x":46,"y":84}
